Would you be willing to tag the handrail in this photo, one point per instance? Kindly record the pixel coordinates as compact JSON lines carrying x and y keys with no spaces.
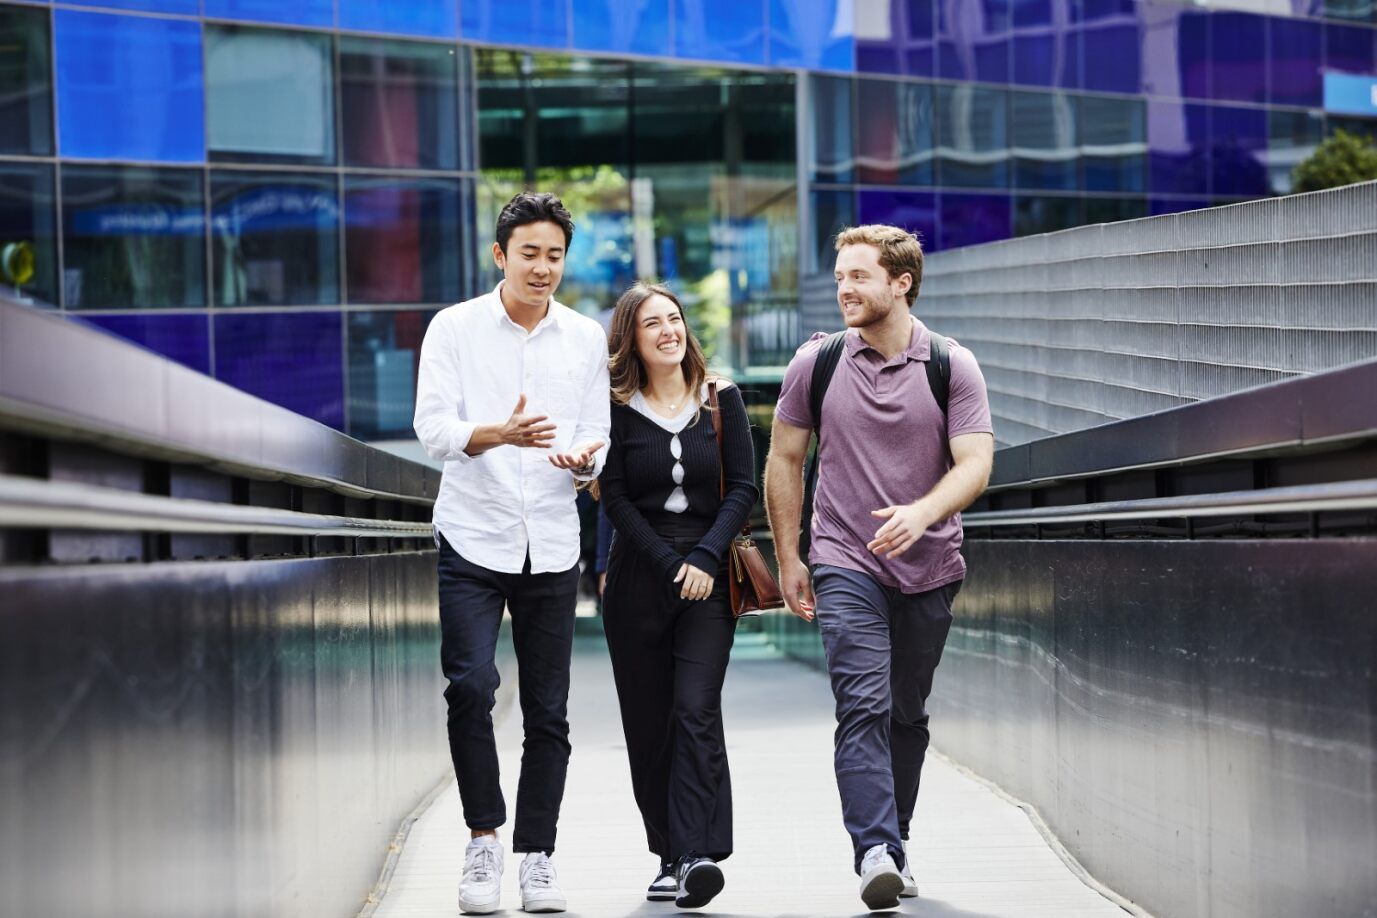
{"x":1346,"y":495}
{"x":35,"y":503}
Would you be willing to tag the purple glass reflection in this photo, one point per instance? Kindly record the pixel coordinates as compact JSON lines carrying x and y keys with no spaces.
{"x":1295,"y":52}
{"x":904,"y":44}
{"x":183,"y":338}
{"x":1176,"y":50}
{"x":1111,"y":52}
{"x":973,"y":40}
{"x":915,"y":211}
{"x":1238,"y":57}
{"x":292,"y":359}
{"x":1350,"y":49}
{"x":1178,"y":145}
{"x":1238,"y":148}
{"x":1159,"y":206}
{"x":970,"y":219}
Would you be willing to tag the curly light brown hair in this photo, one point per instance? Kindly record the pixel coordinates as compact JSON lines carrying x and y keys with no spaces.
{"x":900,"y":251}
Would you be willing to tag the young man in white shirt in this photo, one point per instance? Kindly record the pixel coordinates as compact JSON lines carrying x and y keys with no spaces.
{"x":508,"y":531}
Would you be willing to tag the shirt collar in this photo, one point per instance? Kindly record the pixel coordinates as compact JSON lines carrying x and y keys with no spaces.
{"x":919,"y":345}
{"x":557,"y":315}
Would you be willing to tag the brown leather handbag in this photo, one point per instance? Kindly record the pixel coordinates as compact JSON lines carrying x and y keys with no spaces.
{"x":753,"y":588}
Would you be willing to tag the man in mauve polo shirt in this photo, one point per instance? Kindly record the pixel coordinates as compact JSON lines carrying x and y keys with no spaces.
{"x":886,"y":561}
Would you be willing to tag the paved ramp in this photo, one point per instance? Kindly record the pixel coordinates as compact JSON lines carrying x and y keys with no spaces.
{"x":974,"y":853}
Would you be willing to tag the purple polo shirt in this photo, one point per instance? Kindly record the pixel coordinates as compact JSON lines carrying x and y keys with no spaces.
{"x":883,"y":443}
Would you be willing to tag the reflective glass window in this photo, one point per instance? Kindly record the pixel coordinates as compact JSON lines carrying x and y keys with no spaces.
{"x":834,"y":159}
{"x":274,"y":238}
{"x":184,"y":7}
{"x":28,"y":249}
{"x":287,"y":12}
{"x":1357,"y":10}
{"x":1291,"y":137}
{"x":183,"y":337}
{"x":292,"y":359}
{"x":435,"y":18}
{"x":972,"y":136}
{"x":384,"y":351}
{"x":1178,"y":144}
{"x":132,"y":237}
{"x":1112,"y":210}
{"x":1113,"y":140}
{"x":1159,"y":206}
{"x":915,"y":211}
{"x":970,"y":219}
{"x":1358,"y":127}
{"x":25,"y":82}
{"x":404,"y":240}
{"x":614,"y":25}
{"x":811,"y":34}
{"x":1035,"y":214}
{"x":1043,"y":126}
{"x":1350,"y":49}
{"x":1238,"y":151}
{"x":973,"y":40}
{"x":269,"y":95}
{"x":833,"y":211}
{"x":1111,"y":45}
{"x":1238,"y":57}
{"x":720,"y":30}
{"x":542,"y":23}
{"x":1178,"y":64}
{"x":1294,"y":60}
{"x":1046,"y":48}
{"x":129,"y":87}
{"x":399,"y":103}
{"x":880,"y":37}
{"x":894,"y":123}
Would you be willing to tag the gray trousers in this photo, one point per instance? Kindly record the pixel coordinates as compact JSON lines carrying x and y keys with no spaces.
{"x":882,"y":649}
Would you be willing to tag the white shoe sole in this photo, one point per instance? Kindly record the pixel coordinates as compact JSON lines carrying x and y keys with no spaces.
{"x":478,"y":908}
{"x":550,"y":904}
{"x":881,"y":888}
{"x":700,"y":885}
{"x":910,"y":891}
{"x":667,"y":895}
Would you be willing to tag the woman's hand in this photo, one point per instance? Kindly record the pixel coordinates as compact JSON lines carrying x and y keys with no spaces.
{"x":696,"y":584}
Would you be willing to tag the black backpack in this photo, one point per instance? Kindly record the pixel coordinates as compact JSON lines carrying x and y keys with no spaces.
{"x":939,"y":381}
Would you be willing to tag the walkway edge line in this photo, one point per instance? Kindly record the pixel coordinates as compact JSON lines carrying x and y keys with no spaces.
{"x":1043,"y":829}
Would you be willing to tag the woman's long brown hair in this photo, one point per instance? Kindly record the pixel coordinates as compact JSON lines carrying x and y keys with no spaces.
{"x":624,"y":364}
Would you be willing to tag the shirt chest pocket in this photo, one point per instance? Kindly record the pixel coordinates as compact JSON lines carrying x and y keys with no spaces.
{"x":562,"y":392}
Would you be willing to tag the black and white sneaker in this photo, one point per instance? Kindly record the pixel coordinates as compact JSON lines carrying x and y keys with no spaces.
{"x":910,"y":890}
{"x":665,"y":887}
{"x":699,"y":880}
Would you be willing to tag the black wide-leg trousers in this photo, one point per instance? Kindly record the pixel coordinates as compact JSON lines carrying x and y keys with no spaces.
{"x":669,"y":659}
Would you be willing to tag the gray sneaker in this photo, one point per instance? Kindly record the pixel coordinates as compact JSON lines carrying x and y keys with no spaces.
{"x":480,"y":889}
{"x":881,"y":881}
{"x":910,"y":890}
{"x":540,"y":890}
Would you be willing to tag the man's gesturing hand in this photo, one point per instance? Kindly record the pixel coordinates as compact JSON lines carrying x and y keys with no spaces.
{"x":578,"y":459}
{"x":528,"y":430}
{"x":797,"y":587}
{"x":906,"y":525}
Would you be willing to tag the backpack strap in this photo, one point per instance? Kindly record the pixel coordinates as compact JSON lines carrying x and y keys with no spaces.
{"x":939,"y":371}
{"x":829,"y":355}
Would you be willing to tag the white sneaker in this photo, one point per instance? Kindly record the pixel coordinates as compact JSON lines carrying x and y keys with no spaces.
{"x":540,"y":890}
{"x":665,"y":886}
{"x":881,"y":881}
{"x":910,"y":890}
{"x":481,"y":887}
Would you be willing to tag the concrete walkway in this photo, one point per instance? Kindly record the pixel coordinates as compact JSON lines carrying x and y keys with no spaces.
{"x":974,"y":854}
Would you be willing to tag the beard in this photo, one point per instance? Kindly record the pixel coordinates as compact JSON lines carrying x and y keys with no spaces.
{"x":871,"y":311}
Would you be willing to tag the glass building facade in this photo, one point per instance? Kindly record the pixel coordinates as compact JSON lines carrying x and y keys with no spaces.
{"x":282,"y":194}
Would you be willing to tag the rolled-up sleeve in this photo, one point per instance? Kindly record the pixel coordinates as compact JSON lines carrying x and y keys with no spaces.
{"x":595,"y":414}
{"x":439,"y":420}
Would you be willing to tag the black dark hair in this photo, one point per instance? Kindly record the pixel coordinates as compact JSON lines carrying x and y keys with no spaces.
{"x":533,"y":207}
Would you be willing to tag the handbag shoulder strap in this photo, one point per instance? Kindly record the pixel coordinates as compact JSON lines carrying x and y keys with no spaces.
{"x":721,"y":458}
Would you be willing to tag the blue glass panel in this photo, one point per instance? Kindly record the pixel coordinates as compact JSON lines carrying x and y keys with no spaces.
{"x":1112,"y":210}
{"x":1113,"y":140}
{"x":973,"y":40}
{"x":544,"y":23}
{"x":895,"y":132}
{"x":972,"y":136}
{"x":833,"y":211}
{"x":638,"y":26}
{"x":292,"y":359}
{"x":129,"y":87}
{"x":1295,"y":56}
{"x":1178,"y":145}
{"x":299,"y":12}
{"x":434,"y":18}
{"x":834,"y":157}
{"x":184,"y":338}
{"x":918,"y":55}
{"x":1045,"y":144}
{"x":1111,"y":50}
{"x":1159,"y":206}
{"x":384,"y":351}
{"x":1238,"y":151}
{"x":26,"y":81}
{"x":881,"y":51}
{"x":1178,"y":65}
{"x":185,"y":7}
{"x":1034,"y":215}
{"x":811,"y":34}
{"x":1350,"y":49}
{"x":915,"y":211}
{"x":28,"y":233}
{"x":1292,"y":136}
{"x":1238,"y":57}
{"x":970,"y":219}
{"x":720,"y":30}
{"x":403,"y":240}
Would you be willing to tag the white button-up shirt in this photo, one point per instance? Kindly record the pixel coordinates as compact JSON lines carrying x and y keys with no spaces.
{"x":475,"y":363}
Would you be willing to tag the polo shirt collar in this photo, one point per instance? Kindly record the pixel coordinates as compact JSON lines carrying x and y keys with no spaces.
{"x":919,"y":345}
{"x":556,"y":315}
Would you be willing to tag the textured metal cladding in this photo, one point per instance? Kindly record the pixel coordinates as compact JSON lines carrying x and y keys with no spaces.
{"x":1163,"y":310}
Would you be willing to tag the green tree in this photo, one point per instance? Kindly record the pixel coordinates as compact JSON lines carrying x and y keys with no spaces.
{"x":1341,"y":160}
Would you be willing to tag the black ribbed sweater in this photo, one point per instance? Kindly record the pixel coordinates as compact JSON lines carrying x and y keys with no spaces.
{"x":637,"y":479}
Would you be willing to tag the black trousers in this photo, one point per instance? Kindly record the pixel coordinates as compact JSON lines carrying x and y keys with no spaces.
{"x":542,"y":606}
{"x":669,"y":659}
